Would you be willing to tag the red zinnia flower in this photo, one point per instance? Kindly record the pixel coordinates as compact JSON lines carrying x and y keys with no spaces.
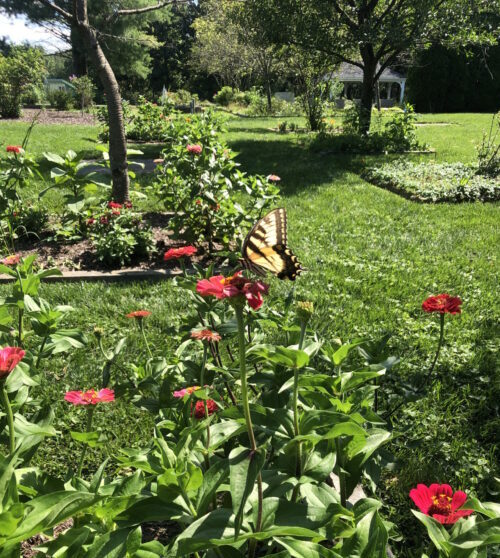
{"x":114,"y":205}
{"x":14,"y":259}
{"x":128,"y":204}
{"x":194,"y":148}
{"x":139,"y":314}
{"x":14,"y":149}
{"x":104,"y":220}
{"x":206,"y":335}
{"x":273,"y":178}
{"x":198,"y":201}
{"x":10,"y":357}
{"x":442,"y":303}
{"x":90,"y":221}
{"x":234,"y":286}
{"x":199,"y":408}
{"x":438,"y":501}
{"x":182,"y":252}
{"x":185,"y":391}
{"x":90,"y":397}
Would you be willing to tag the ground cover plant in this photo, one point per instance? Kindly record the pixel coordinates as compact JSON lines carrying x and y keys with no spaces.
{"x":372,"y":258}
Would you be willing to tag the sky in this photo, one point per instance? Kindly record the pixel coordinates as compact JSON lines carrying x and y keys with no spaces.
{"x":18,"y":30}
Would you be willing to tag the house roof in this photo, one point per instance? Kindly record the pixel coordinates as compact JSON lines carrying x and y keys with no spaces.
{"x":59,"y":80}
{"x":349,"y":72}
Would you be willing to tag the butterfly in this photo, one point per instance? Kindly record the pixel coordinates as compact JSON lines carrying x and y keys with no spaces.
{"x":265,"y":249}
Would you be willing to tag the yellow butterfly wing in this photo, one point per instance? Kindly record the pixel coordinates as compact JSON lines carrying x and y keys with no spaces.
{"x":265,"y":247}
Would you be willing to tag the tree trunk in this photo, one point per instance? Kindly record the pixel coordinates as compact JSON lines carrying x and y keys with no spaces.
{"x":367,"y":89}
{"x":78,"y":53}
{"x":269,"y":96}
{"x":117,"y":139}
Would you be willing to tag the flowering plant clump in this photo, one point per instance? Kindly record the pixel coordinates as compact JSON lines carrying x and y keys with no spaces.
{"x":439,"y":501}
{"x":234,"y":287}
{"x":10,"y":357}
{"x":443,"y":304}
{"x":90,"y":397}
{"x":177,"y":253}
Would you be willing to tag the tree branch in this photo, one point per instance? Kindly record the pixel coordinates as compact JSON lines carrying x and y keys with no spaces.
{"x":350,"y":23}
{"x":152,"y":8}
{"x":66,"y":15}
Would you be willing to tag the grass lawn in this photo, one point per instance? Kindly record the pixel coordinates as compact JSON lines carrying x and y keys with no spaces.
{"x":372,"y":257}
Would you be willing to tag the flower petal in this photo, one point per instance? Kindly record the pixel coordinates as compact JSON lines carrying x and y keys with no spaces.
{"x":421,"y":497}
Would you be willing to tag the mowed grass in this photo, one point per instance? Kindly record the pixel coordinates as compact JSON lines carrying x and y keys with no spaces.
{"x":371,"y":258}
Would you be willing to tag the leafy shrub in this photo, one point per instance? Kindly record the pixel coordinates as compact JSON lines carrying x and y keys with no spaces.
{"x":400,"y":132}
{"x":29,"y":220}
{"x":119,"y":235}
{"x":33,"y":96}
{"x":445,"y":182}
{"x":22,"y":69}
{"x":225,"y":96}
{"x":84,"y":91}
{"x":60,"y":99}
{"x":199,"y":181}
{"x":488,"y":152}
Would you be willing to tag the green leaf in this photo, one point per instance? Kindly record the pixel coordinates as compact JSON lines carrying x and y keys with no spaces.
{"x":303,"y":549}
{"x":437,"y":533}
{"x":212,"y":479}
{"x":244,"y":468}
{"x":109,"y":545}
{"x":25,"y":428}
{"x":291,"y":358}
{"x":92,"y":439}
{"x":54,"y":158}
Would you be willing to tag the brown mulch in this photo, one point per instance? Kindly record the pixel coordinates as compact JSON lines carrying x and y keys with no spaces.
{"x":52,"y":116}
{"x":28,"y":547}
{"x":80,"y":255}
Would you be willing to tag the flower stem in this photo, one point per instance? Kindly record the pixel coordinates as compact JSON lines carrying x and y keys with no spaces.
{"x":296,"y":430}
{"x":40,"y":352}
{"x":440,"y":343}
{"x":202,"y":384}
{"x":340,"y":473}
{"x":10,"y":418}
{"x":248,"y":418}
{"x":141,"y":327}
{"x":21,"y":310}
{"x":90,"y":414}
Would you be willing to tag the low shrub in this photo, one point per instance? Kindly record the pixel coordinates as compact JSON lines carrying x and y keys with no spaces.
{"x":488,"y":152}
{"x":225,"y":96}
{"x":28,"y":220}
{"x":432,"y":182}
{"x":60,"y":99}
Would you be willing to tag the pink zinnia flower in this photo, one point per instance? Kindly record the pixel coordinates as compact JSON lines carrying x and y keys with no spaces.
{"x":14,"y":149}
{"x":234,"y":286}
{"x":10,"y":357}
{"x":273,"y":178}
{"x":442,"y":303}
{"x":199,"y":408}
{"x":194,"y":148}
{"x":182,"y":252}
{"x":185,"y":391}
{"x":14,"y":259}
{"x":206,"y":335}
{"x":439,"y":502}
{"x":90,"y":397}
{"x":139,"y":314}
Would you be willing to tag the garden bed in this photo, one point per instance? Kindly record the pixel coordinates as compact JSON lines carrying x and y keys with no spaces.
{"x":52,"y":116}
{"x":435,"y":182}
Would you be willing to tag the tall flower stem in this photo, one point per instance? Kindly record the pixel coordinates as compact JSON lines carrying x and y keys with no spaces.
{"x":141,"y":327}
{"x":238,"y":306}
{"x":40,"y":352}
{"x":202,"y":384}
{"x":90,"y":414}
{"x":340,"y":474}
{"x":296,"y":429}
{"x":10,"y":417}
{"x":440,"y":344}
{"x":21,"y":311}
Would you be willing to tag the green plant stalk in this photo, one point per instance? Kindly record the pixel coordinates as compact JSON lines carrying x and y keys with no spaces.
{"x":238,"y":306}
{"x":141,"y":327}
{"x":10,"y":418}
{"x":296,"y":430}
{"x":21,"y":311}
{"x":202,"y":384}
{"x":90,"y":414}
{"x":340,"y":473}
{"x":40,"y":352}
{"x":440,"y":343}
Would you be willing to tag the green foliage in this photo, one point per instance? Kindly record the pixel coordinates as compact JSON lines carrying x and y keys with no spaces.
{"x":225,"y":96}
{"x":488,"y":152}
{"x":60,"y":99}
{"x":445,"y":182}
{"x":84,"y":92}
{"x":22,"y":69}
{"x":120,"y":236}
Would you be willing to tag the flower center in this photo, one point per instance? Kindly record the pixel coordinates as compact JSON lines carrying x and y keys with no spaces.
{"x":441,"y":504}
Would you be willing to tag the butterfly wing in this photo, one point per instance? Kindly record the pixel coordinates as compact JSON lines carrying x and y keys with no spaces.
{"x":265,"y":247}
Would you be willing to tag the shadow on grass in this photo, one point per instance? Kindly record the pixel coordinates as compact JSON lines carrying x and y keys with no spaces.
{"x":298,"y":167}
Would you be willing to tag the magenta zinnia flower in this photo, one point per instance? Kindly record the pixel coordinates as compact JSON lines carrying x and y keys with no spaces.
{"x":438,"y":501}
{"x":194,"y":148}
{"x":90,"y":397}
{"x":185,"y":391}
{"x":10,"y":357}
{"x":234,"y":286}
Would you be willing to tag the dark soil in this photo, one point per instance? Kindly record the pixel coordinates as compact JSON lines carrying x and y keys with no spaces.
{"x":28,"y":547}
{"x":52,"y":116}
{"x":80,"y":255}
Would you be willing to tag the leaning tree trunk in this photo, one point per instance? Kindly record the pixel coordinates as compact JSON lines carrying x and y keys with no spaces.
{"x":117,"y":139}
{"x":367,"y":89}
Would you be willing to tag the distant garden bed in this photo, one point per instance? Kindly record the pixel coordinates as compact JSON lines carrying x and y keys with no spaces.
{"x":434,"y":183}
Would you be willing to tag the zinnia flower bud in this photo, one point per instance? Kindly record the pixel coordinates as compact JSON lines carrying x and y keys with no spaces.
{"x":305,"y":309}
